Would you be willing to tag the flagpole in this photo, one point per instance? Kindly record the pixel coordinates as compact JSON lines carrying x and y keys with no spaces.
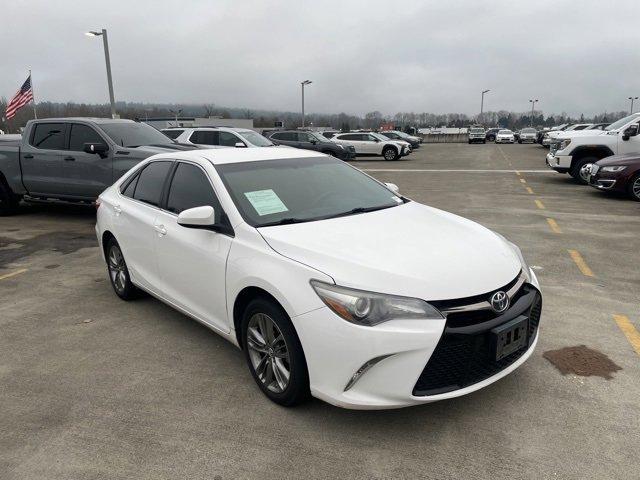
{"x":35,"y":113}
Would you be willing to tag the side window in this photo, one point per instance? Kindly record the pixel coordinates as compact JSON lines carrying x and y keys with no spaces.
{"x":150,"y":182}
{"x":49,"y":136}
{"x":305,"y":137}
{"x":369,"y":138}
{"x":205,"y":137}
{"x":190,"y":188}
{"x":172,"y":134}
{"x":278,"y":136}
{"x":228,"y":139}
{"x":130,"y":186}
{"x":81,"y":134}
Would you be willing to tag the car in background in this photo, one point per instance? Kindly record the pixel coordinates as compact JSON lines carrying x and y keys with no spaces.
{"x":477,"y":135}
{"x":398,"y":135}
{"x":528,"y":135}
{"x":598,"y":126}
{"x":219,"y":137}
{"x":312,"y":141}
{"x":505,"y":136}
{"x":550,"y":136}
{"x":370,"y":143}
{"x":491,"y":134}
{"x":617,"y":173}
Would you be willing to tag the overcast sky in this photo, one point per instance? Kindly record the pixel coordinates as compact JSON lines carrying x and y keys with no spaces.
{"x":434,"y":56}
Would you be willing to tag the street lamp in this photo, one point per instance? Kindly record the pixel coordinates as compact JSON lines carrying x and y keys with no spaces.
{"x":176,"y":114}
{"x":533,"y":104}
{"x":105,"y":42}
{"x":632,"y":99}
{"x":302,"y":84}
{"x":482,"y":103}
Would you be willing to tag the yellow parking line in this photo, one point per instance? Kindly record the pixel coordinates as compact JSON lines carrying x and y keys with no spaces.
{"x":582,"y":265}
{"x":522,"y":180}
{"x":540,"y":204}
{"x":13,"y":274}
{"x":529,"y":191}
{"x":554,"y":225}
{"x":629,"y":331}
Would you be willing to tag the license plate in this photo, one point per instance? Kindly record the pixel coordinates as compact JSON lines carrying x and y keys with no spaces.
{"x":510,"y":337}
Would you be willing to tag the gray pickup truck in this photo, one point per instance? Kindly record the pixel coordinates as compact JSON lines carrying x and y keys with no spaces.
{"x":73,"y":159}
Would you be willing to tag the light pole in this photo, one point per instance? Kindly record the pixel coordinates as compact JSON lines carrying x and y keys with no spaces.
{"x":176,"y":114}
{"x":632,"y":99}
{"x":482,"y":103}
{"x":107,"y":60}
{"x":302,"y":84}
{"x":533,"y":104}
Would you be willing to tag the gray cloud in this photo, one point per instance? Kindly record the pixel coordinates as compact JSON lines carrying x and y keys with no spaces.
{"x":578,"y":57}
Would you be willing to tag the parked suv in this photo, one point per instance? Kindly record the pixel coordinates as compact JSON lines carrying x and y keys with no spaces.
{"x":528,"y":135}
{"x":477,"y":135}
{"x":572,"y":151}
{"x":219,"y":137}
{"x":312,"y":141}
{"x":372,"y":144}
{"x":398,"y":135}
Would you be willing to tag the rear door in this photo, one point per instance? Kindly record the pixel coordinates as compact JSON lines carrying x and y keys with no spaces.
{"x":285,"y":138}
{"x":86,"y":174}
{"x":192,"y":261}
{"x":42,"y":159}
{"x":136,"y":222}
{"x":307,"y":141}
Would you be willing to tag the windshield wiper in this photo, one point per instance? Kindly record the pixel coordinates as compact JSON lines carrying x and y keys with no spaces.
{"x":356,"y":210}
{"x":286,"y":221}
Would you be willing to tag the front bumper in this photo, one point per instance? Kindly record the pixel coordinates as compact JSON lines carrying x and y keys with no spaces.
{"x":423,"y":361}
{"x":505,"y":140}
{"x":606,"y":180}
{"x":559,"y":163}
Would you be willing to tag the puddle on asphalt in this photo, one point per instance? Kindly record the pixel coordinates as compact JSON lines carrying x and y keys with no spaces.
{"x":62,"y":242}
{"x":583,"y":361}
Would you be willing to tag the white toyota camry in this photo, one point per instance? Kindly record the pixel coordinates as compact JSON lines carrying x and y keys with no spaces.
{"x":331,"y":282}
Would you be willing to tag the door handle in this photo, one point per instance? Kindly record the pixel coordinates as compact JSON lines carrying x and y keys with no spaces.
{"x":117,"y":209}
{"x":28,"y":155}
{"x":70,"y":159}
{"x":161,"y":230}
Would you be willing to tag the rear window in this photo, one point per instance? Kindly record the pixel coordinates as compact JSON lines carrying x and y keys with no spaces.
{"x":150,"y":182}
{"x":49,"y":136}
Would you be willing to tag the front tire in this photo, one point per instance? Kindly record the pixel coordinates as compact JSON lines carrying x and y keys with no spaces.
{"x":577,"y":171}
{"x":634,"y":188}
{"x":274,"y":353}
{"x":118,"y":271}
{"x":9,"y":202}
{"x":390,"y":154}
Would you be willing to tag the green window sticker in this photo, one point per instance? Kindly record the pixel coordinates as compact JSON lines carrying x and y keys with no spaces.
{"x":266,"y":202}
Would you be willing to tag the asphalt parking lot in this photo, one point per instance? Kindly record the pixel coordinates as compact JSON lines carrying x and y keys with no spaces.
{"x":93,"y":387}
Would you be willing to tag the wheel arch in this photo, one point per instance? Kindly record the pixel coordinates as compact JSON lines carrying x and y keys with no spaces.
{"x":244,"y":297}
{"x":599,"y":151}
{"x":106,"y":236}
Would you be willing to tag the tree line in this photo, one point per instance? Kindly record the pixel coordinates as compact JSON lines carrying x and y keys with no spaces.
{"x":267,"y":118}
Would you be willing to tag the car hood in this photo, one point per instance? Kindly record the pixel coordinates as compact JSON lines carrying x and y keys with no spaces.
{"x":579,"y":133}
{"x":626,"y":159}
{"x":411,"y":250}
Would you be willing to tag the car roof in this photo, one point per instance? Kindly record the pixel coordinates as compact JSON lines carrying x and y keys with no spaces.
{"x":221,"y":156}
{"x":98,"y":120}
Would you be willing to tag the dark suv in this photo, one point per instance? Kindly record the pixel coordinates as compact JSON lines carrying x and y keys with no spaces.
{"x":311,"y":141}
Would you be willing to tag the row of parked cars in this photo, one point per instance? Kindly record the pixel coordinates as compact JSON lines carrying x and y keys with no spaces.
{"x":478,"y":134}
{"x":604,"y":156}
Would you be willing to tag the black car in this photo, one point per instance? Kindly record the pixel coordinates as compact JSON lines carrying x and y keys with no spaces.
{"x":312,"y":141}
{"x":395,"y":136}
{"x":490,"y":135}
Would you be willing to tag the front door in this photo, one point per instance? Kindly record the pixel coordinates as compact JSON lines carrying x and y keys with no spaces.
{"x":86,"y":174}
{"x":193,"y":262}
{"x":628,"y":146}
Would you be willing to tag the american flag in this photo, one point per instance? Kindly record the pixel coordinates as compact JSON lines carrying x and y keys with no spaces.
{"x":20,"y":99}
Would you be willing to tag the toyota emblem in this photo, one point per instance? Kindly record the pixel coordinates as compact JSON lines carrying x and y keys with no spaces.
{"x":499,"y":302}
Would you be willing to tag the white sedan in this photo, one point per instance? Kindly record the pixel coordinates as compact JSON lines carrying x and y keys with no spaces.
{"x":332,"y":283}
{"x":505,"y":136}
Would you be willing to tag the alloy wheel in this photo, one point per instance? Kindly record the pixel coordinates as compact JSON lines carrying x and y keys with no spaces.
{"x":635,"y":188}
{"x":585,"y":170}
{"x":117,"y":269}
{"x":268,"y":353}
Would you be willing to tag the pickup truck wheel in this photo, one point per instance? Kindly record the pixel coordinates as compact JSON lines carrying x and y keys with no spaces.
{"x":8,"y":200}
{"x":578,"y":172}
{"x":634,"y":188}
{"x":390,"y":153}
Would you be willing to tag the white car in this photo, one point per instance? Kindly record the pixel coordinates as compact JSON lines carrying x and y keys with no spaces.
{"x":528,"y":134}
{"x":332,"y":283}
{"x":218,"y":137}
{"x":505,"y":136}
{"x":370,"y":143}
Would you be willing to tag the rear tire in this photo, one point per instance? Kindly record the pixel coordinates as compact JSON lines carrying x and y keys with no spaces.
{"x":634,"y":188}
{"x":118,"y":272}
{"x":577,"y":167}
{"x":9,"y":202}
{"x":390,"y":154}
{"x":274,"y":353}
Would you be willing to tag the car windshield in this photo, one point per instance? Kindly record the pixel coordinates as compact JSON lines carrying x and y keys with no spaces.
{"x":256,"y":139}
{"x":528,"y":130}
{"x":622,"y":122}
{"x":134,"y":134}
{"x":476,"y":130}
{"x":504,"y":132}
{"x":380,"y":136}
{"x":296,"y":190}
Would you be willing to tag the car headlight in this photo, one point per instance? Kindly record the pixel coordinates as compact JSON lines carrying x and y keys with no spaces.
{"x":340,"y":146}
{"x":614,"y":168}
{"x":369,"y":308}
{"x":564,"y":143}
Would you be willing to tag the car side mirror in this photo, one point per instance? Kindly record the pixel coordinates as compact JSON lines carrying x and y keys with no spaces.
{"x":377,"y":140}
{"x":240,"y":145}
{"x":98,"y":148}
{"x":198,"y":217}
{"x":630,"y":131}
{"x":393,"y":187}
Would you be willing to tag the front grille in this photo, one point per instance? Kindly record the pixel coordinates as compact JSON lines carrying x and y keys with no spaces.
{"x":465,"y":355}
